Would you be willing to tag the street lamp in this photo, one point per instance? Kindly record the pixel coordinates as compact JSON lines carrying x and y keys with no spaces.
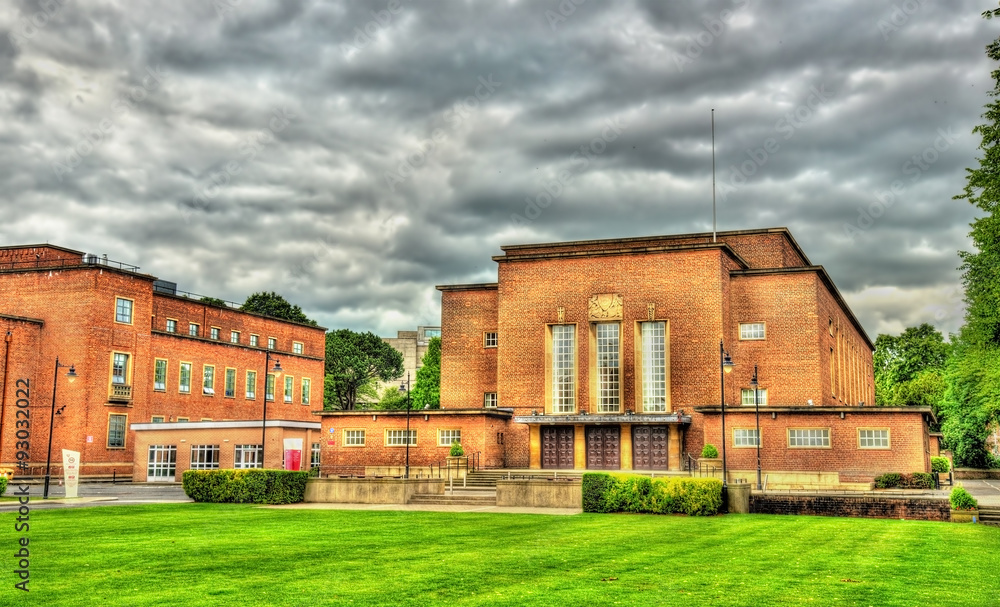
{"x":276,"y":371}
{"x":405,"y":387}
{"x":756,"y":408}
{"x":52,"y":418}
{"x":725,"y":366}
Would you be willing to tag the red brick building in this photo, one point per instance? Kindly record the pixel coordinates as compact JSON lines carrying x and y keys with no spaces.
{"x":142,"y":353}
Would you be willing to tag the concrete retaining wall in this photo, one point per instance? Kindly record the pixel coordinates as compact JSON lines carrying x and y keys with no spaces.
{"x":369,"y":490}
{"x":912,"y":508}
{"x":540,"y":493}
{"x":975,"y":473}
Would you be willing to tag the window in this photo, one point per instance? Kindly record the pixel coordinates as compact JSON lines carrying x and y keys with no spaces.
{"x":490,"y":400}
{"x":272,"y":343}
{"x":607,"y":368}
{"x":489,"y":340}
{"x":215,"y":333}
{"x":744,"y":437}
{"x":119,"y":369}
{"x":193,"y":329}
{"x":251,"y":385}
{"x":160,"y":375}
{"x":183,"y":419}
{"x":254,"y":340}
{"x":185,"y":379}
{"x":157,"y":419}
{"x":234,"y":337}
{"x":306,"y":388}
{"x":746,"y":396}
{"x":397,"y":438}
{"x":809,"y":437}
{"x":247,"y":456}
{"x":354,"y":438}
{"x":751,"y":330}
{"x":447,"y":437}
{"x":123,"y":310}
{"x":563,"y":370}
{"x":314,"y":455}
{"x":432,"y":333}
{"x":204,"y":457}
{"x":230,"y":383}
{"x":289,"y":383}
{"x":171,"y":325}
{"x":116,"y":431}
{"x":162,"y":462}
{"x":654,"y":367}
{"x":208,"y":380}
{"x":873,"y":439}
{"x":269,"y":387}
{"x":297,"y":347}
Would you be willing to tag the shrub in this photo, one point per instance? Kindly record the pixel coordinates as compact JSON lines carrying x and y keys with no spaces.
{"x":456,"y":449}
{"x":917,"y":480}
{"x":940,"y":465}
{"x":632,"y":493}
{"x":246,"y":486}
{"x":888,"y":480}
{"x":920,"y":480}
{"x":3,"y":484}
{"x":709,"y":451}
{"x":962,"y":499}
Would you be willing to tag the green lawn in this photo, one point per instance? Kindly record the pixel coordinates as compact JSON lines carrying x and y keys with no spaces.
{"x":205,"y":554}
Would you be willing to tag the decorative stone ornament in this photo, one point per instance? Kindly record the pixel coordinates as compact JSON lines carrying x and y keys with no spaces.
{"x":561,"y":313}
{"x":651,"y":311}
{"x":606,"y":306}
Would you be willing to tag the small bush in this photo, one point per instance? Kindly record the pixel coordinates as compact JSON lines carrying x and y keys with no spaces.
{"x":941,"y":465}
{"x":962,"y":499}
{"x":888,"y":480}
{"x":456,"y":450}
{"x":920,"y":480}
{"x":3,"y":484}
{"x":709,"y":451}
{"x":632,"y":493}
{"x":246,"y":486}
{"x":892,"y":480}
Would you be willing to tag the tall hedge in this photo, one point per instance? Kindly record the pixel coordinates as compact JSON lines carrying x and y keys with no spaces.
{"x":246,"y":486}
{"x":633,"y":493}
{"x":3,"y":484}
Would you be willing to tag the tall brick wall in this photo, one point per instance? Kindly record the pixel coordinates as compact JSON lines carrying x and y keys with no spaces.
{"x":468,"y":369}
{"x":19,"y":359}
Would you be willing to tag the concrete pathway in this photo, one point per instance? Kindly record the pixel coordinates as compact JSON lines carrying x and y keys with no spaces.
{"x":986,"y":492}
{"x":98,"y":494}
{"x":430,"y":508}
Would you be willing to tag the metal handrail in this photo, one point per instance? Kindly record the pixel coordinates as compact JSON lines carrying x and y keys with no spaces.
{"x":197,"y":296}
{"x":68,"y":263}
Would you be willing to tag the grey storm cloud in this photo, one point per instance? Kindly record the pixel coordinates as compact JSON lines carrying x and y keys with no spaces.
{"x":353,"y":155}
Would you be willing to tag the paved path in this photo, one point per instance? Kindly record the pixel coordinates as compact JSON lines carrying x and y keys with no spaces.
{"x":987,"y":492}
{"x":99,"y":494}
{"x":430,"y":508}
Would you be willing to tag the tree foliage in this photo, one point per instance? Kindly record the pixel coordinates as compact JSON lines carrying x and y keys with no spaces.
{"x":909,"y":367}
{"x":215,"y":301}
{"x":427,"y":391}
{"x":391,"y":399}
{"x":272,"y":304}
{"x":354,"y":361}
{"x":971,"y":405}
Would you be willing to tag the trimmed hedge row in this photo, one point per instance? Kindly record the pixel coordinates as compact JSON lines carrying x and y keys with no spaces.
{"x":632,"y":493}
{"x":246,"y":486}
{"x":3,"y":484}
{"x":892,"y":480}
{"x":941,"y":465}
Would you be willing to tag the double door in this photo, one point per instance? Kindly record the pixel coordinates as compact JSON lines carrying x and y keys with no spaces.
{"x":649,"y":448}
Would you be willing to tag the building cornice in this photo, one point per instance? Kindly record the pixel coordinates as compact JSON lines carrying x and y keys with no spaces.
{"x":482,"y":286}
{"x":36,"y":321}
{"x":226,"y":425}
{"x":725,"y":248}
{"x":814,"y":410}
{"x":597,"y":420}
{"x":501,"y":413}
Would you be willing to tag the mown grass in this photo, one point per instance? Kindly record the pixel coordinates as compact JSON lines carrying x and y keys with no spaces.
{"x":219,"y":554}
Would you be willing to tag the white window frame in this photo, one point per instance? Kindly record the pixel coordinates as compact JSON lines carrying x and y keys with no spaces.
{"x":490,"y":400}
{"x":563,"y":368}
{"x":397,"y":438}
{"x":744,"y":437}
{"x":608,"y":366}
{"x":194,"y":329}
{"x":254,"y":340}
{"x":215,"y":333}
{"x":297,"y":347}
{"x":289,"y":388}
{"x":230,"y":373}
{"x":171,"y":325}
{"x":129,"y":310}
{"x":204,"y":457}
{"x":809,"y":438}
{"x":272,"y":343}
{"x":315,"y":455}
{"x":181,"y":388}
{"x":753,"y":331}
{"x":234,"y":337}
{"x":354,"y":437}
{"x":208,"y":380}
{"x":305,"y":390}
{"x":126,"y":360}
{"x":653,"y":335}
{"x":269,"y":384}
{"x":251,"y":387}
{"x":746,"y":397}
{"x":455,"y":434}
{"x":874,"y":438}
{"x":160,"y":386}
{"x":240,"y":457}
{"x":490,"y":339}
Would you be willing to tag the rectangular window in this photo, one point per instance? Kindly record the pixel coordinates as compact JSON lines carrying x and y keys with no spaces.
{"x":251,"y":385}
{"x":447,"y":437}
{"x":751,"y":330}
{"x":289,"y":383}
{"x":193,"y":329}
{"x":746,"y":396}
{"x":204,"y":457}
{"x":269,"y":387}
{"x":184,"y":386}
{"x":123,"y":310}
{"x":490,"y":340}
{"x":563,"y":370}
{"x":171,"y":325}
{"x":234,"y":337}
{"x":157,"y":419}
{"x":809,"y":437}
{"x":297,"y":347}
{"x":230,"y":383}
{"x":608,"y":373}
{"x":162,"y":462}
{"x":654,"y":367}
{"x":490,"y":400}
{"x":306,"y":388}
{"x":247,"y":456}
{"x":397,"y":438}
{"x":744,"y":437}
{"x":116,"y":431}
{"x":160,"y":375}
{"x":119,"y":369}
{"x":354,"y":438}
{"x":254,"y":340}
{"x":314,"y":455}
{"x":208,"y":380}
{"x":873,"y":439}
{"x":272,"y":343}
{"x":183,"y":419}
{"x":215,"y":333}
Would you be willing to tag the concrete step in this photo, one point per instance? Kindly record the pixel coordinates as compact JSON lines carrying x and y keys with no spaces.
{"x":455,"y":500}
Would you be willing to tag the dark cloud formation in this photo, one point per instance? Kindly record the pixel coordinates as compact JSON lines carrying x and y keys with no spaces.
{"x":352,"y":155}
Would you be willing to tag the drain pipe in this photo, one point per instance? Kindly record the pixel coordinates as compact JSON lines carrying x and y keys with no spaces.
{"x":3,"y":389}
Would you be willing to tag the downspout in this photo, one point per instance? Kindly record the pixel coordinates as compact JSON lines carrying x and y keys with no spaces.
{"x":3,"y":389}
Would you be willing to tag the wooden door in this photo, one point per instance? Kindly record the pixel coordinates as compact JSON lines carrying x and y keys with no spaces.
{"x":649,"y":448}
{"x":557,"y":446}
{"x":603,"y":447}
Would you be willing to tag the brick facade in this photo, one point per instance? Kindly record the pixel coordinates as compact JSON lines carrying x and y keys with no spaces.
{"x":910,"y":508}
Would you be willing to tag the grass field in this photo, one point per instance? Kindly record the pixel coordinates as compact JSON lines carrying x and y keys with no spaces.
{"x":213,"y":554}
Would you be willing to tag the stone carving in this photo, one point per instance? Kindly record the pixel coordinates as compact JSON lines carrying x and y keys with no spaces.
{"x":561,"y":312}
{"x":651,"y":311}
{"x":606,"y":306}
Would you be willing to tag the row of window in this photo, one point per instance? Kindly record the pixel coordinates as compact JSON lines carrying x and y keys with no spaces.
{"x":162,"y":460}
{"x":814,"y":438}
{"x":208,"y":381}
{"x":748,"y":331}
{"x":400,"y":438}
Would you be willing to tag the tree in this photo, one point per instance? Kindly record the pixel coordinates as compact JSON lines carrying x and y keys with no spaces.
{"x":215,"y":301}
{"x":272,"y":304}
{"x":391,"y":399}
{"x":909,"y":363}
{"x":971,"y":405}
{"x":354,"y":361}
{"x":427,"y":391}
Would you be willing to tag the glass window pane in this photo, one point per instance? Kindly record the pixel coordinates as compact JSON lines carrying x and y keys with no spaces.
{"x":563,"y":376}
{"x":654,"y":368}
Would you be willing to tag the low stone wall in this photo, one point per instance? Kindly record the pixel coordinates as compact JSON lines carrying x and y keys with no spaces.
{"x":540,"y":493}
{"x":369,"y":490}
{"x":866,"y":506}
{"x":976,"y":473}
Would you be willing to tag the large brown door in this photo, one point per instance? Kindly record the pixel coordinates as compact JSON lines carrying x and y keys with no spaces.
{"x":604,"y":448}
{"x":649,"y":448}
{"x":557,"y":446}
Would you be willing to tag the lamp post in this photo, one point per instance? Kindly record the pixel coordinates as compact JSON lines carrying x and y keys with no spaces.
{"x":52,"y":418}
{"x":725,"y":366}
{"x":263,"y":422}
{"x":756,"y":409}
{"x":406,"y":388}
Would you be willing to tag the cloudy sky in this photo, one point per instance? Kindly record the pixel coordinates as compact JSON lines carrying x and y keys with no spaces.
{"x":351,"y":155}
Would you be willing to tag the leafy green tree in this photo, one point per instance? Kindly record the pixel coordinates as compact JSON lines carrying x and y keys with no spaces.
{"x":971,"y":405}
{"x":272,"y":304}
{"x":354,"y":361}
{"x":910,"y":362}
{"x":427,"y":391}
{"x":391,"y":398}
{"x":215,"y":301}
{"x":329,"y":393}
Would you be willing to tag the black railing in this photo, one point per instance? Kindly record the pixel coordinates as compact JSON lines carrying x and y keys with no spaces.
{"x":86,"y":260}
{"x":196,"y":296}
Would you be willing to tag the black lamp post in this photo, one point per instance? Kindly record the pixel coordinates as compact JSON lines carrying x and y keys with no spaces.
{"x":52,"y":418}
{"x":725,"y":366}
{"x":263,"y":423}
{"x":756,"y":408}
{"x":406,"y":388}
